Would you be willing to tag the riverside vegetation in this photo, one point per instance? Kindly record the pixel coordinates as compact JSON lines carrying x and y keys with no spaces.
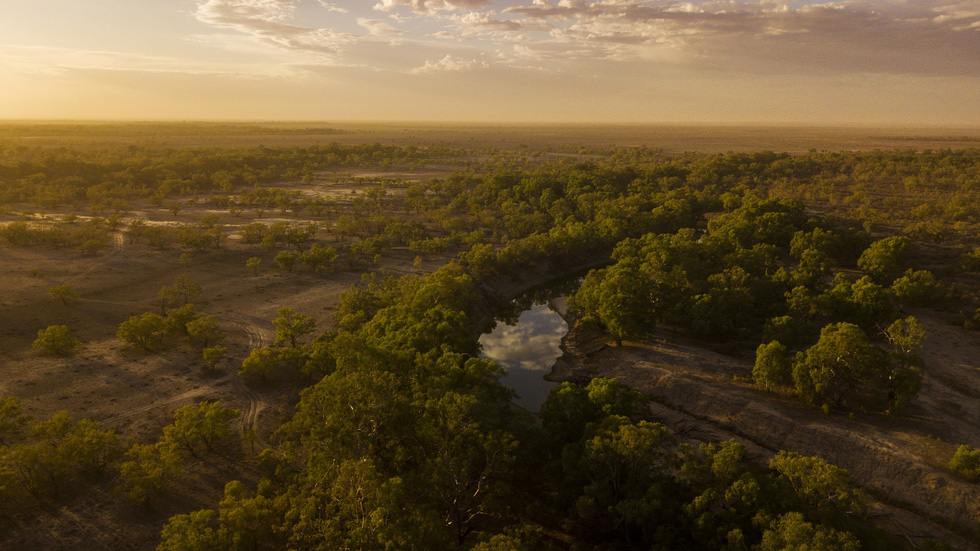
{"x":395,"y":435}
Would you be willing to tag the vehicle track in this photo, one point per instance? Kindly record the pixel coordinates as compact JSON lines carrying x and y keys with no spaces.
{"x":118,"y":242}
{"x":183,"y":396}
{"x":253,"y":402}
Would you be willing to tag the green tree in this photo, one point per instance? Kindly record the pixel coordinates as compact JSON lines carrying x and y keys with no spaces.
{"x":290,"y":326}
{"x":212,"y":355}
{"x":823,"y":489}
{"x":624,"y":467}
{"x":905,"y":366}
{"x":253,"y":263}
{"x":842,"y":358}
{"x":319,"y":257}
{"x":204,"y":331}
{"x":144,"y":331}
{"x":175,"y":207}
{"x":190,"y":532}
{"x":966,"y":462}
{"x":792,"y":533}
{"x":64,"y":293}
{"x":202,"y":424}
{"x":57,"y":340}
{"x":183,"y":289}
{"x":917,"y":288}
{"x":149,"y":470}
{"x":12,"y":418}
{"x":773,"y":366}
{"x":261,"y":364}
{"x":247,"y":521}
{"x":886,"y":259}
{"x":286,"y":260}
{"x":177,"y":320}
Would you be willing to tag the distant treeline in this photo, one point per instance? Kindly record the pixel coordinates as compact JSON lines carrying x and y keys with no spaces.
{"x":156,"y":129}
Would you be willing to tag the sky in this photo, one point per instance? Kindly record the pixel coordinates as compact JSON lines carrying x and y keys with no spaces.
{"x":850,"y":62}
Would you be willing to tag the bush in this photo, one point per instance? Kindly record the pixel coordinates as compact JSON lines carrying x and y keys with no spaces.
{"x":917,"y":288}
{"x":144,"y":331}
{"x":57,"y":340}
{"x":966,"y":462}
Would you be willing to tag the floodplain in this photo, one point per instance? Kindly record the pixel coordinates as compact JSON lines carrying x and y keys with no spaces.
{"x":357,"y":259}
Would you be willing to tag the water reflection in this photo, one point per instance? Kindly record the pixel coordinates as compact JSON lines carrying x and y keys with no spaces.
{"x":526,"y":346}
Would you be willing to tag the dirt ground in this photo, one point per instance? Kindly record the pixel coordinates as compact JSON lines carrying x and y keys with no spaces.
{"x":899,"y":460}
{"x":135,"y":392}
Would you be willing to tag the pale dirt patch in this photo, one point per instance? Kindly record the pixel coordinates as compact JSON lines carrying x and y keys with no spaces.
{"x":134,"y":392}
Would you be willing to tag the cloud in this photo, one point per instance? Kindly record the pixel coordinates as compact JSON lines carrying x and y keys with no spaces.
{"x":266,"y":20}
{"x":448,"y":64}
{"x":924,"y":37}
{"x":48,"y":60}
{"x":429,"y":6}
{"x":332,"y":7}
{"x":476,"y":22}
{"x":931,"y":37}
{"x":378,"y":27}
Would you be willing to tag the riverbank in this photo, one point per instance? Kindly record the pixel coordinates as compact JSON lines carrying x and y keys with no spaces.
{"x":704,"y":396}
{"x":498,"y":290}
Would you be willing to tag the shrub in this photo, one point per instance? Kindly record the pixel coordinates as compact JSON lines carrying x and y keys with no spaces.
{"x":966,"y":462}
{"x":57,"y":340}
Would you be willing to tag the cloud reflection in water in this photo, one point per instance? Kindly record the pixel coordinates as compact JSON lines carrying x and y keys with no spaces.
{"x":527,"y":351}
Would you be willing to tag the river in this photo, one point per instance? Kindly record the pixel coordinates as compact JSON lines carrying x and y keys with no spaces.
{"x":526,"y":341}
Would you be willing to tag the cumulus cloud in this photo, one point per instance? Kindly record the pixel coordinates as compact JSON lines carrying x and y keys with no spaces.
{"x":477,"y":22}
{"x":428,"y":6}
{"x":378,"y":27}
{"x":267,"y":20}
{"x":925,"y":37}
{"x":448,"y":64}
{"x":332,"y":7}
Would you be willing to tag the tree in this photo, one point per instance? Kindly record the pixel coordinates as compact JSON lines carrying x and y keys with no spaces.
{"x":12,"y":417}
{"x":212,"y":355}
{"x":204,"y":331}
{"x":177,"y":320}
{"x":175,"y":207}
{"x":202,"y":424}
{"x":905,"y":366}
{"x":183,"y":289}
{"x":61,"y":451}
{"x":319,"y":257}
{"x":966,"y":462}
{"x":144,"y":331}
{"x":190,"y":532}
{"x":291,"y":326}
{"x":246,"y":521}
{"x":286,"y":260}
{"x":886,"y":259}
{"x":823,"y":489}
{"x":149,"y":470}
{"x":261,"y":363}
{"x":841,"y":358}
{"x":792,"y":533}
{"x":253,"y":263}
{"x":917,"y":288}
{"x":773,"y":366}
{"x":64,"y":293}
{"x":57,"y":340}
